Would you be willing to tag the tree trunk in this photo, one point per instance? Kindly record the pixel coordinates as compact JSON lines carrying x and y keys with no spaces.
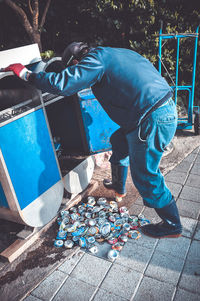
{"x":36,"y":38}
{"x":33,"y":29}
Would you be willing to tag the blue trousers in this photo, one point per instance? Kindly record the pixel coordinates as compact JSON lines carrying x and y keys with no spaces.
{"x":142,"y":149}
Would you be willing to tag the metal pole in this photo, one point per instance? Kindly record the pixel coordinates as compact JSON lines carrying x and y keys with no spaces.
{"x":194,"y":71}
{"x":177,"y":63}
{"x":160,"y":48}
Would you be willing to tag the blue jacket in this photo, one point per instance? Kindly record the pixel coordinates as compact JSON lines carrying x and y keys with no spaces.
{"x":125,"y":83}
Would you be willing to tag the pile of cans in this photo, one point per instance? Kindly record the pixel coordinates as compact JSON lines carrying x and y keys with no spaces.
{"x":94,"y":222}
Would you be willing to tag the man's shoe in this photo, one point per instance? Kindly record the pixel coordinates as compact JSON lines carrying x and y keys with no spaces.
{"x":161,"y":230}
{"x":118,"y":182}
{"x":170,"y":226}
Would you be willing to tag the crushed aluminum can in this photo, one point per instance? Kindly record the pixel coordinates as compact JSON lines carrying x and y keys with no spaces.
{"x":73,"y":209}
{"x":116,"y":215}
{"x":58,"y":243}
{"x":64,"y":213}
{"x":126,"y":227}
{"x":133,"y":234}
{"x":143,"y":222}
{"x":91,"y":200}
{"x":113,"y":254}
{"x":79,"y":231}
{"x":91,"y":240}
{"x":134,"y":224}
{"x":123,"y":238}
{"x":93,"y":249}
{"x":123,"y":209}
{"x":112,"y":240}
{"x":64,"y":223}
{"x":117,"y":246}
{"x":102,"y":214}
{"x":88,"y":215}
{"x":112,"y":218}
{"x":92,"y":231}
{"x":101,"y":220}
{"x":113,"y":204}
{"x":105,"y":229}
{"x":101,"y":201}
{"x":96,"y":209}
{"x":75,"y":239}
{"x":61,"y":234}
{"x":81,"y":210}
{"x":70,"y":228}
{"x":118,"y":224}
{"x":81,"y":219}
{"x":91,"y":222}
{"x":77,"y":223}
{"x":75,"y":216}
{"x":133,"y":219}
{"x":59,"y":220}
{"x":68,"y":244}
{"x":82,"y":242}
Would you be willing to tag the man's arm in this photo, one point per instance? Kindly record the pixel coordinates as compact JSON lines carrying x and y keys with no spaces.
{"x":68,"y":82}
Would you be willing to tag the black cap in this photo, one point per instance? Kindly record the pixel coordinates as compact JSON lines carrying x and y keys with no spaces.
{"x":74,"y":50}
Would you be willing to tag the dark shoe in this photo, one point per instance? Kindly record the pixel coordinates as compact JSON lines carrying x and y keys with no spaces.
{"x":118,"y":182}
{"x":170,"y":226}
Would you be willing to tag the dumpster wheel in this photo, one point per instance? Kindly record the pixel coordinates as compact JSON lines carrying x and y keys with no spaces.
{"x":197,"y":124}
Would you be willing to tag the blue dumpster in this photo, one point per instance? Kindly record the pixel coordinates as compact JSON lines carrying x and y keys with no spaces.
{"x":81,"y":124}
{"x":31,"y":187}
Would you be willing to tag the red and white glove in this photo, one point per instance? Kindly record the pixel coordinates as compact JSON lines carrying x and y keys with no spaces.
{"x":19,"y":70}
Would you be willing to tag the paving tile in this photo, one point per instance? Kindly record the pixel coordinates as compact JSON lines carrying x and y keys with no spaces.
{"x":165,"y":268}
{"x":103,"y":295}
{"x":182,"y":295}
{"x":190,"y":278}
{"x":197,"y":232}
{"x":193,"y":181}
{"x":145,"y":241}
{"x":191,"y":157}
{"x":151,"y":290}
{"x":188,"y":209}
{"x":151,"y":215}
{"x":198,"y":159}
{"x":91,"y":269}
{"x":50,"y":285}
{"x":194,"y":252}
{"x":135,"y":209}
{"x":75,"y":290}
{"x":136,"y":257}
{"x":121,"y":280}
{"x":189,"y":226}
{"x":184,"y":166}
{"x":71,"y":262}
{"x":176,"y":177}
{"x":190,"y":193}
{"x":31,"y":298}
{"x":177,"y":247}
{"x":195,"y":169}
{"x":196,"y":150}
{"x":174,"y":188}
{"x":139,"y":201}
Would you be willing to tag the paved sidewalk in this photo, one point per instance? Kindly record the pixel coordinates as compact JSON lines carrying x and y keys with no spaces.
{"x":147,"y":269}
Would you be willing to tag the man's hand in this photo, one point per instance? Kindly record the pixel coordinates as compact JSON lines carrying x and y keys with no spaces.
{"x":19,"y":70}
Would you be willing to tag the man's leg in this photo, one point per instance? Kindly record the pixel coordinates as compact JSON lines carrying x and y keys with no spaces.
{"x":119,"y":164}
{"x":146,"y":146}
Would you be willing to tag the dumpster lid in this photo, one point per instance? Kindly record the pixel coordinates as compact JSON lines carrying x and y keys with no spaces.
{"x":24,"y":55}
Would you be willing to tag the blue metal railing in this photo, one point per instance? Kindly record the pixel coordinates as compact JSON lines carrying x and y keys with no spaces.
{"x":176,"y":86}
